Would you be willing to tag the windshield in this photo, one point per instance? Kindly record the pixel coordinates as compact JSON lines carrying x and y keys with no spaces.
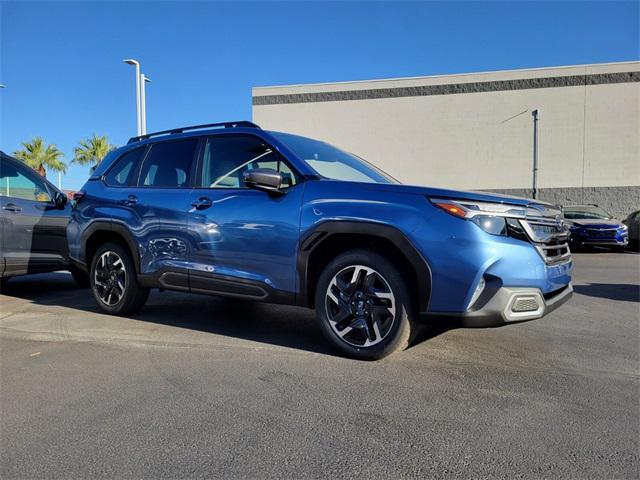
{"x":586,"y":213}
{"x":331,"y":162}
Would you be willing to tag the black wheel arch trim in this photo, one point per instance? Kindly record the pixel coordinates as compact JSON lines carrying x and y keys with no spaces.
{"x":314,"y":237}
{"x":112,"y":227}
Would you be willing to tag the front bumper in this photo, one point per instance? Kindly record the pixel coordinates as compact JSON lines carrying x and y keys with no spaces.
{"x":586,"y":242}
{"x":510,"y":305}
{"x":582,"y":239}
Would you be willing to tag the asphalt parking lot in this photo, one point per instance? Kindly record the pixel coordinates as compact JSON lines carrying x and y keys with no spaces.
{"x":204,"y":387}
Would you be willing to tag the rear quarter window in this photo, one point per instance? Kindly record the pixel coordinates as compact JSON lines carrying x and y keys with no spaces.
{"x":121,"y":174}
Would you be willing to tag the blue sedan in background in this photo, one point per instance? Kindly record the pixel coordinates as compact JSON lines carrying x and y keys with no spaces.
{"x":591,"y":225}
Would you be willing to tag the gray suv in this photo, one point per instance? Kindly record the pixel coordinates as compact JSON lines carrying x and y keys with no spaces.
{"x":33,"y":220}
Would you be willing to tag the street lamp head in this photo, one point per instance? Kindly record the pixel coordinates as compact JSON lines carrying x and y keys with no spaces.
{"x":146,"y":79}
{"x":131,"y":61}
{"x":2,"y":86}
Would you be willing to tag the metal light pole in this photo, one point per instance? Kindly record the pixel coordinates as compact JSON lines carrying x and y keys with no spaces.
{"x":7,"y":189}
{"x":534,"y":114}
{"x":136,"y":64}
{"x":143,"y":102}
{"x":7,"y":186}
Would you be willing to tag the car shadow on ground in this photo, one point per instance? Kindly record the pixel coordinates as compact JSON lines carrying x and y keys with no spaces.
{"x":292,"y":327}
{"x":623,"y":292}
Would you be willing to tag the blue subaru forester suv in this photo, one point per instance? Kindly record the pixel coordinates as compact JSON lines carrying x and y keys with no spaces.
{"x":231,"y":209}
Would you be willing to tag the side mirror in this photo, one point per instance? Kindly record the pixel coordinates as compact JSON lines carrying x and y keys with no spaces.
{"x":60,"y":200}
{"x":265,"y":179}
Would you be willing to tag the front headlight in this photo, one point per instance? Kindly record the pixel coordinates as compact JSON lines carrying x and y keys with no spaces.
{"x":492,"y":225}
{"x":493,"y":218}
{"x":470,"y":209}
{"x":623,"y":227}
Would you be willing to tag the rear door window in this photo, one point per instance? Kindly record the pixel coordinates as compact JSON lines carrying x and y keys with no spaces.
{"x":168,"y":164}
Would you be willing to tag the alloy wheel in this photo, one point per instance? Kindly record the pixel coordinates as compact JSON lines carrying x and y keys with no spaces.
{"x":110,"y":278}
{"x":361,"y":306}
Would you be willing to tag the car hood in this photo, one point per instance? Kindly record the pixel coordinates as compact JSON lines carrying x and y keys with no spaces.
{"x":465,"y":195}
{"x":595,"y":223}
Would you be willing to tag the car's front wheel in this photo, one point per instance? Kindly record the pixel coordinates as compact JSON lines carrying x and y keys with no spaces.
{"x":113,"y":281}
{"x":364,"y":306}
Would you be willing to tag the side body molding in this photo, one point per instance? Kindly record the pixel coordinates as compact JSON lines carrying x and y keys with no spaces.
{"x":320,"y":233}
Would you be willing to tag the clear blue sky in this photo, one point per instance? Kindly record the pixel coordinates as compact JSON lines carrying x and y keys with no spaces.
{"x":62,"y":61}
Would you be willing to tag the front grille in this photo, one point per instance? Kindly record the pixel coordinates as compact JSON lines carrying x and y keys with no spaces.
{"x":549,"y":235}
{"x":602,"y":232}
{"x":554,"y":254}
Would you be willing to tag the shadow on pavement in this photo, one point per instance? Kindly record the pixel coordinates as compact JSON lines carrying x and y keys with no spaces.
{"x":292,"y":327}
{"x":624,"y":292}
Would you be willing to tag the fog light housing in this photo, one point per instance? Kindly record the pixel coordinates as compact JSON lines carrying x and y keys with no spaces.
{"x":525,"y":304}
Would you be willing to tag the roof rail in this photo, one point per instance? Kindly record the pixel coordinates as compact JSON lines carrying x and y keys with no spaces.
{"x":241,"y":123}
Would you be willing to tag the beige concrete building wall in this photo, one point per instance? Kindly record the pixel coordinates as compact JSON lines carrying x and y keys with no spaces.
{"x":475,"y":131}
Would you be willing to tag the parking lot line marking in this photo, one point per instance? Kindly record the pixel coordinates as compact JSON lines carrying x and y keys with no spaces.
{"x":34,"y":354}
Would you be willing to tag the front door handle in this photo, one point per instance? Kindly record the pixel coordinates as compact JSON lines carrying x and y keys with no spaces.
{"x":12,"y":207}
{"x":130,"y":200}
{"x":202,"y":203}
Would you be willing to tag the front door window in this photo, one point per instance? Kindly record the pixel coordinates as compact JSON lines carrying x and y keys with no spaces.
{"x":15,"y":184}
{"x":227,"y":158}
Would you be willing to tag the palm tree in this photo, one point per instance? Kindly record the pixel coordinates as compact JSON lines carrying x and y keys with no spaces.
{"x":92,"y":150}
{"x":41,"y":157}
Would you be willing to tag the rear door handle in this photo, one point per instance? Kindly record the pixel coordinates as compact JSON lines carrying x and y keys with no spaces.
{"x":202,"y":203}
{"x":130,"y":200}
{"x":11,"y":207}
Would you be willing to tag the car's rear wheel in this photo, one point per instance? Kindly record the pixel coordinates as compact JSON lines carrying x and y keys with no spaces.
{"x":364,"y":306}
{"x":113,"y":281}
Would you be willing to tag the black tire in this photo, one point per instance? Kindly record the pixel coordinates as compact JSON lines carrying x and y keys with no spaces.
{"x":396,"y":326}
{"x":129,"y":299}
{"x":81,"y":278}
